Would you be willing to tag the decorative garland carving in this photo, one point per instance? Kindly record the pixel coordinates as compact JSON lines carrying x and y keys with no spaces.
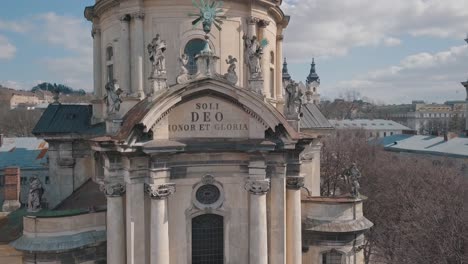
{"x":112,"y":189}
{"x":160,"y":191}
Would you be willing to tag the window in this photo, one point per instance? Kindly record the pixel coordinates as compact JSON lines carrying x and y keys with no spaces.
{"x":208,"y":239}
{"x":192,"y":49}
{"x":110,"y":63}
{"x":332,"y":257}
{"x":315,"y":89}
{"x":272,"y":83}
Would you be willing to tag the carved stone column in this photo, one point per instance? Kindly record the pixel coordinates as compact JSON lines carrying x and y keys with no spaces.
{"x":159,"y":239}
{"x":258,"y":186}
{"x":97,"y":62}
{"x":115,"y":222}
{"x":138,"y":53}
{"x":293,"y":219}
{"x":124,"y":63}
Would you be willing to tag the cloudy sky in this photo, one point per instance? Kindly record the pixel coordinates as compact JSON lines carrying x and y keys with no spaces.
{"x":392,"y":51}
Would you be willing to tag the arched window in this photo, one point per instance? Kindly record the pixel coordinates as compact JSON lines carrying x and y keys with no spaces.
{"x":208,"y":239}
{"x":110,"y":63}
{"x":192,"y":49}
{"x":332,"y":257}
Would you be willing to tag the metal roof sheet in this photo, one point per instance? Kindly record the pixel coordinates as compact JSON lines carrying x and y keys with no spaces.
{"x":368,"y":124}
{"x":456,"y":147}
{"x":312,"y":118}
{"x":65,"y":118}
{"x":27,"y":152}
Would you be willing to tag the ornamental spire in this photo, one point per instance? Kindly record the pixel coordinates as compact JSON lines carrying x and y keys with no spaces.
{"x":286,"y":76}
{"x":313,"y":76}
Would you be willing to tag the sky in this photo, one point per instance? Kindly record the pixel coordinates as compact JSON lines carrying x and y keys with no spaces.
{"x":389,"y":51}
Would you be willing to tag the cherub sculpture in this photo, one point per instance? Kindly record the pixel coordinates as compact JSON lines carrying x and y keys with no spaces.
{"x":231,"y":75}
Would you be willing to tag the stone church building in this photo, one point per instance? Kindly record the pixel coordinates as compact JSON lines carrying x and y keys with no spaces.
{"x":204,"y":153}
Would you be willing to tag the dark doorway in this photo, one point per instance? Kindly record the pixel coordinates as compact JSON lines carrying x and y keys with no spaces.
{"x":208,"y":239}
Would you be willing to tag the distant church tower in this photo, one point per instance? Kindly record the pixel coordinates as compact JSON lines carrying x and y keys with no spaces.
{"x":312,"y":85}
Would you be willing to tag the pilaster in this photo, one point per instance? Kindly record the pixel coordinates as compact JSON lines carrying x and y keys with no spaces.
{"x":125,"y":63}
{"x":137,"y":54}
{"x":294,"y":183}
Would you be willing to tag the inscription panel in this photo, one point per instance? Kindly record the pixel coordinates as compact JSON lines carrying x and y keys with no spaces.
{"x":209,"y":117}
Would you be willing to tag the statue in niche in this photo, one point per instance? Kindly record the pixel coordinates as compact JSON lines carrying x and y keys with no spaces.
{"x":253,"y":55}
{"x":293,"y":99}
{"x":156,"y":50}
{"x":112,"y":97}
{"x":353,"y":175}
{"x":184,"y":75}
{"x":35,"y":194}
{"x":231,"y":75}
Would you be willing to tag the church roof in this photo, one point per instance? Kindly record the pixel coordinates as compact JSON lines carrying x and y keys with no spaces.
{"x":67,"y":118}
{"x":312,"y":118}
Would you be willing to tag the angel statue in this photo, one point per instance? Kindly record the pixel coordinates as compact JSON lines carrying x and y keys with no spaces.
{"x":112,"y":97}
{"x":253,"y":55}
{"x":231,"y":75}
{"x":183,"y":76}
{"x":156,"y":50}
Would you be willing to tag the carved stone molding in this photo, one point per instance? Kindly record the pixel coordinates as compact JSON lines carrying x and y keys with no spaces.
{"x":257,"y":187}
{"x":294,"y":182}
{"x":112,"y":189}
{"x":138,"y":15}
{"x":160,"y":191}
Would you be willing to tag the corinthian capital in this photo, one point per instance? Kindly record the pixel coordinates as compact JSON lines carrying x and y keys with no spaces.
{"x":138,"y":15}
{"x":160,"y":191}
{"x":125,"y":18}
{"x":262,"y":23}
{"x":112,"y":189}
{"x":294,"y":182}
{"x":257,"y":187}
{"x":95,"y":31}
{"x":253,"y":20}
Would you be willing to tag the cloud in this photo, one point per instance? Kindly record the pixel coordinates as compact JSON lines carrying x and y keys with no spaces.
{"x":427,"y":76}
{"x":7,"y":50}
{"x":333,"y":27}
{"x":15,"y":26}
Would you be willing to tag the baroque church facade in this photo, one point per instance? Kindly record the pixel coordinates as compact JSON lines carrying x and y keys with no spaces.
{"x":205,"y":152}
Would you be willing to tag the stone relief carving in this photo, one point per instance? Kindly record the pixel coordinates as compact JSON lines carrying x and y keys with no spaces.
{"x":231,"y":75}
{"x":253,"y":55}
{"x":160,"y":191}
{"x":112,"y":97}
{"x":257,"y":187}
{"x":184,"y":75}
{"x":156,"y":50}
{"x":112,"y":189}
{"x":293,"y":99}
{"x":294,"y":182}
{"x":35,"y":195}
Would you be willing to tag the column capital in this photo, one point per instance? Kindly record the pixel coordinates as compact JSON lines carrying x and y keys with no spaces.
{"x":112,"y":189}
{"x":280,"y":37}
{"x":138,"y":15}
{"x":262,"y":23}
{"x":257,"y":187}
{"x":294,"y":182}
{"x":160,"y":191}
{"x":125,"y":18}
{"x":253,"y":20}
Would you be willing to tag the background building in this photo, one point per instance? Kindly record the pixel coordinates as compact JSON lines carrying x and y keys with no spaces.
{"x":373,"y":127}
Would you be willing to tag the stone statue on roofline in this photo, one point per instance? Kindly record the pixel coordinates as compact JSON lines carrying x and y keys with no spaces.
{"x":353,"y":174}
{"x":184,"y":75}
{"x":253,"y":52}
{"x":293,"y":100}
{"x":156,"y":50}
{"x":112,"y":97}
{"x":231,"y":75}
{"x":35,"y":195}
